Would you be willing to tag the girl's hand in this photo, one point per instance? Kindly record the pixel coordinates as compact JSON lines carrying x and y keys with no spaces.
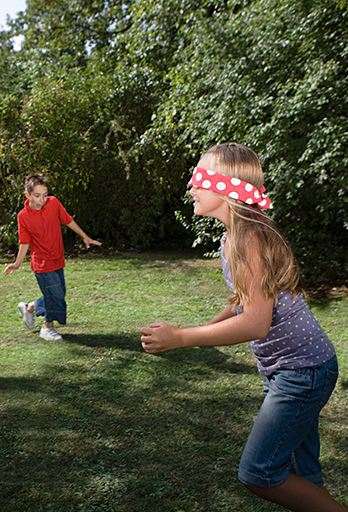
{"x":159,"y":337}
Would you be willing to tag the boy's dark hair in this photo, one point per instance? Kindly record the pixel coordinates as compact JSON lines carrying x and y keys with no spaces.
{"x":33,"y":180}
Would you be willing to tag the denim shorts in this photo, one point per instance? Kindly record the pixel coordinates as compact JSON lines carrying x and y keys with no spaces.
{"x":285,"y":437}
{"x":52,"y":304}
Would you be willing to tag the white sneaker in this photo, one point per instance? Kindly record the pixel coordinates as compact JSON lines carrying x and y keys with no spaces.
{"x":28,"y":318}
{"x":50,"y":334}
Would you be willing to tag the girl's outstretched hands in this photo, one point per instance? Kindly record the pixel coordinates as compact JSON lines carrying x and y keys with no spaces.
{"x":159,"y":337}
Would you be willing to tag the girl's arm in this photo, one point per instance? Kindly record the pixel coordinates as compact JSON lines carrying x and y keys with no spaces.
{"x":23,"y":249}
{"x":75,"y":227}
{"x":253,"y":323}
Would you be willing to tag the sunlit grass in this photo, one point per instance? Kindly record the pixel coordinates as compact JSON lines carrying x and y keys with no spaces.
{"x":95,"y":424}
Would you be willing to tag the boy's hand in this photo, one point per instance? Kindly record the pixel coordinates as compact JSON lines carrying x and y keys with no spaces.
{"x":11,"y":268}
{"x":88,"y":241}
{"x":160,"y":337}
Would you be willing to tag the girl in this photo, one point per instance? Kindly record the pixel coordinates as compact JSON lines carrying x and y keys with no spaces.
{"x":280,"y":462}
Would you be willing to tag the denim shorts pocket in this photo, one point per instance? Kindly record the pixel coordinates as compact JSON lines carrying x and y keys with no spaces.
{"x":330,"y":382}
{"x":293,"y":384}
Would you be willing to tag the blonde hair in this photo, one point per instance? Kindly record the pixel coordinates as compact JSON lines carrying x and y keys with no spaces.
{"x":248,"y":223}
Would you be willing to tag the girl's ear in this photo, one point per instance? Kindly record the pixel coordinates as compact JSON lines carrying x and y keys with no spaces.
{"x":26,"y":194}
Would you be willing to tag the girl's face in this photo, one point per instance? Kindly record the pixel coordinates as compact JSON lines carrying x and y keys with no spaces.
{"x":207,"y":203}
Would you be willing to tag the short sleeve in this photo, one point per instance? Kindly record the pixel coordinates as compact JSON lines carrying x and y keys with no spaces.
{"x":64,"y":216}
{"x":24,"y":236}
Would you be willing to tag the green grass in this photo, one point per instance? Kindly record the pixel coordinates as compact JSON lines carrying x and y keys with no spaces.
{"x":95,"y":424}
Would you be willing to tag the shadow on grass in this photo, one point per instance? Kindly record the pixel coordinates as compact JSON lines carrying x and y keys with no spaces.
{"x":121,"y":342}
{"x":85,"y":449}
{"x":119,"y":430}
{"x":25,"y":384}
{"x":212,"y":356}
{"x":125,"y":434}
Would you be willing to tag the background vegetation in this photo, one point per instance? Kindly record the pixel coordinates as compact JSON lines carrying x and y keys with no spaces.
{"x":94,"y":424}
{"x":116,"y":101}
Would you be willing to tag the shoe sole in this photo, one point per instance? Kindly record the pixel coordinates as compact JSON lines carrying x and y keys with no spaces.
{"x":51,"y":339}
{"x":23,"y":316}
{"x":47,"y":338}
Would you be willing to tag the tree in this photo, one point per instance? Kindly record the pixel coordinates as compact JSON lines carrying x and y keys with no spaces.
{"x":122,"y":99}
{"x":236,"y":86}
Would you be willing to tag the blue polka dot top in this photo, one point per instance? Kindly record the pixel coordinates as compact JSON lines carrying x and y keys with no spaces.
{"x":295,"y":339}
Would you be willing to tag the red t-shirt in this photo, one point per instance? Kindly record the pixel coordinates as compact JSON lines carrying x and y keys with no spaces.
{"x":42,"y":230}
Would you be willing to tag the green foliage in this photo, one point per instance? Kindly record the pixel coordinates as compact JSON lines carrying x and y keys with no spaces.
{"x":236,"y":86}
{"x":116,"y":102}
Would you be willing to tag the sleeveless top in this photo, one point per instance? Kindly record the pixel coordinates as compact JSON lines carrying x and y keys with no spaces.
{"x":295,"y":339}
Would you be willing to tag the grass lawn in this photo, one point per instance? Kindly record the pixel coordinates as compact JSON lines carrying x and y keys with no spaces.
{"x":95,"y":424}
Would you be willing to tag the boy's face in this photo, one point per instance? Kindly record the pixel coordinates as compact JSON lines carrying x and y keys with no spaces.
{"x":38,"y":197}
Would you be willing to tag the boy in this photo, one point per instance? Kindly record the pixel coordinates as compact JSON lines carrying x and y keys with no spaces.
{"x":39,"y":225}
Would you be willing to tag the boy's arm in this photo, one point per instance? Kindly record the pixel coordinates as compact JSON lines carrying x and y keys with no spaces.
{"x":75,"y":227}
{"x":23,"y":249}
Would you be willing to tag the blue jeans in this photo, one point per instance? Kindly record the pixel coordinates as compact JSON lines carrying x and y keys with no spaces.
{"x":285,"y":437}
{"x":52,"y":304}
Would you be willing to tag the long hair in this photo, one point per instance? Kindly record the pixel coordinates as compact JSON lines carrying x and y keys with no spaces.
{"x":248,"y":223}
